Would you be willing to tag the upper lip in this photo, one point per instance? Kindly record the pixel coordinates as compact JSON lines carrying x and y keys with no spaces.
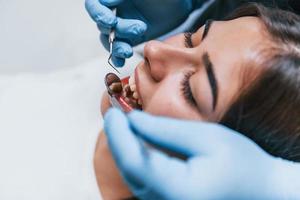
{"x":143,"y":70}
{"x":136,"y":77}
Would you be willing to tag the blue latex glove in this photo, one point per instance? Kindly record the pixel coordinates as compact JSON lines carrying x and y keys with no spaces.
{"x":137,"y":21}
{"x":221,"y":164}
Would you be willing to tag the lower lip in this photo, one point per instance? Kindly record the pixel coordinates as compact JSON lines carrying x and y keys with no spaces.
{"x":123,"y":104}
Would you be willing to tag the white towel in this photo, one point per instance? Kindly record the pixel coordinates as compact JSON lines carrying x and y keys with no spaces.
{"x":49,"y":125}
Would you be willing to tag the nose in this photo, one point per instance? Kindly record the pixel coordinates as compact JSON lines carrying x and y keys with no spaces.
{"x":164,"y":58}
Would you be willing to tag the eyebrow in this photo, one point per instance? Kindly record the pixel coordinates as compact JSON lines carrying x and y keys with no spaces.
{"x":209,"y":68}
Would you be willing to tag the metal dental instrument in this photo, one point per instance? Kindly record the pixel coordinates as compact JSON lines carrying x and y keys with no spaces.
{"x":115,"y":89}
{"x":111,"y":39}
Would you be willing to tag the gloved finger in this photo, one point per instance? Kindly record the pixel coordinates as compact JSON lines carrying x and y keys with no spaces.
{"x":124,"y":144}
{"x":184,"y":137}
{"x":137,"y":164}
{"x":102,"y":15}
{"x":145,"y":170}
{"x":118,"y":62}
{"x":111,"y":2}
{"x":164,"y":132}
{"x":178,"y":179}
{"x":131,"y":29}
{"x":122,"y":49}
{"x":104,"y":41}
{"x":103,"y":30}
{"x":156,"y":176}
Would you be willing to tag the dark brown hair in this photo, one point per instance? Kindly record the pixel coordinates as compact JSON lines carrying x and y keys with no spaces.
{"x":268,"y":111}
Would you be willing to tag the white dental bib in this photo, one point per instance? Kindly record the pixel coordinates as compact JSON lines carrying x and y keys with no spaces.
{"x":49,"y":125}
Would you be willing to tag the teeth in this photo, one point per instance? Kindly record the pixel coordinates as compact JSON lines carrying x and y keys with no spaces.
{"x":135,"y":95}
{"x":133,"y":87}
{"x":131,"y":80}
{"x":139,"y":102}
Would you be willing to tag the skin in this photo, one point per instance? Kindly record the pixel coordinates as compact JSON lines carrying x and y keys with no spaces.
{"x":159,"y":82}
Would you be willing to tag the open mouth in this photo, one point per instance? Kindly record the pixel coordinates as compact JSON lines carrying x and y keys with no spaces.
{"x":123,"y":92}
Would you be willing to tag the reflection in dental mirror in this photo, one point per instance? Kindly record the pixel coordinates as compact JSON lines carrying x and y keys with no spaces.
{"x":122,"y":95}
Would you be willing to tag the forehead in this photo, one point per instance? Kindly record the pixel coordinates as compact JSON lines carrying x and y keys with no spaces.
{"x":232,"y":46}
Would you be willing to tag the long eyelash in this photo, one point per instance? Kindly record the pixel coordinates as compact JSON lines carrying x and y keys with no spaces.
{"x":186,"y":89}
{"x":206,"y":27}
{"x":188,"y":39}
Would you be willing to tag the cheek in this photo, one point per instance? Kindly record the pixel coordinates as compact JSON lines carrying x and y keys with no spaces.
{"x":168,"y":101}
{"x":105,"y":103}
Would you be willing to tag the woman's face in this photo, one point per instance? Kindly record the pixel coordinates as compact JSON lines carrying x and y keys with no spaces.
{"x":199,"y":78}
{"x":198,"y":81}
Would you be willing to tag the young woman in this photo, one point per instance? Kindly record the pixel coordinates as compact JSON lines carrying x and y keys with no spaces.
{"x":243,"y":72}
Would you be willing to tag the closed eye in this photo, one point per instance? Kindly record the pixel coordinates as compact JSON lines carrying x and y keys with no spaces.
{"x":188,"y":40}
{"x":186,"y":90}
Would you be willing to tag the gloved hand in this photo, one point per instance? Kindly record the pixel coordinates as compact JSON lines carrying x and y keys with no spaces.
{"x":137,"y":21}
{"x":220,"y":164}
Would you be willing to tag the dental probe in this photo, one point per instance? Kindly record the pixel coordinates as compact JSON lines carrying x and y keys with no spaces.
{"x":111,"y":39}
